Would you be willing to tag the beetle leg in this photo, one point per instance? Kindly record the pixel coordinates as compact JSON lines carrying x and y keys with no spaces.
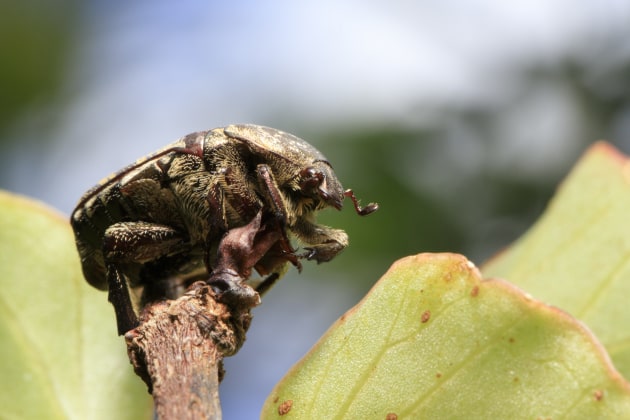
{"x":325,"y":242}
{"x":361,"y":211}
{"x":266,"y":284}
{"x":134,"y":242}
{"x":274,"y":197}
{"x":141,"y":242}
{"x":274,"y":260}
{"x":279,"y":208}
{"x":118,"y":295}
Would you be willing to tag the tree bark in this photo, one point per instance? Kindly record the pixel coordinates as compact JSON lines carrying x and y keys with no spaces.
{"x":178,"y":352}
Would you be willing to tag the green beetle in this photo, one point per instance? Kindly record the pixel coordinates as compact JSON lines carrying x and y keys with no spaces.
{"x":156,"y":224}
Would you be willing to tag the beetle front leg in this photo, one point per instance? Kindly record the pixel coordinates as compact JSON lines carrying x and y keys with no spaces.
{"x":279,"y":210}
{"x":324,"y":242}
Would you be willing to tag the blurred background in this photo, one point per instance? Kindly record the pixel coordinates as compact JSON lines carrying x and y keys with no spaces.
{"x":459,"y":118}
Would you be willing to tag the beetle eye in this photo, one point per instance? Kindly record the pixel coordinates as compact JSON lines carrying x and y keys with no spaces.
{"x":314,"y":182}
{"x":311,"y":179}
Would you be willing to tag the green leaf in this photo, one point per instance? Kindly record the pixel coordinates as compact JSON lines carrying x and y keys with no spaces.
{"x":577,"y":256}
{"x":432,"y":340}
{"x":60,"y":356}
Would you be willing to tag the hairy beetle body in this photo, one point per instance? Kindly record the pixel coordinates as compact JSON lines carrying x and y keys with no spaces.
{"x":158,"y":222}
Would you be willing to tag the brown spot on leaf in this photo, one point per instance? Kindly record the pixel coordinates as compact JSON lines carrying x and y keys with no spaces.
{"x":426,"y":315}
{"x":599,"y":395}
{"x":438,"y":375}
{"x":391,"y":416}
{"x":285,"y":407}
{"x":511,"y":340}
{"x":475,"y":291}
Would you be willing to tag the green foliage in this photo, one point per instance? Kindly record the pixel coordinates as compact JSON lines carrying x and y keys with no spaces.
{"x":60,"y":356}
{"x":432,"y":340}
{"x":36,"y":39}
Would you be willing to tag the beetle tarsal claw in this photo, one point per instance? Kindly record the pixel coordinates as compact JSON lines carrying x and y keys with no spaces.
{"x":320,"y":254}
{"x":309,"y":253}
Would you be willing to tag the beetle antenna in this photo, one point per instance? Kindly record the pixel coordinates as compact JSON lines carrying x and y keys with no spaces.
{"x":361,"y":211}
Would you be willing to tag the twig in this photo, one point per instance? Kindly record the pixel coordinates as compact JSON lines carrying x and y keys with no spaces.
{"x":179,"y":349}
{"x":180,"y":344}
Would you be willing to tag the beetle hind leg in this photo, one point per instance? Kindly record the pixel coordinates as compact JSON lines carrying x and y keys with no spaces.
{"x":134,"y":242}
{"x":118,"y":296}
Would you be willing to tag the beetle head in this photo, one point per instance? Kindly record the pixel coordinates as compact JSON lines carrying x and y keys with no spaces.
{"x":319,"y":182}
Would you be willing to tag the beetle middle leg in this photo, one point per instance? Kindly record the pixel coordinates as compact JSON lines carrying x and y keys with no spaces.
{"x":134,"y":242}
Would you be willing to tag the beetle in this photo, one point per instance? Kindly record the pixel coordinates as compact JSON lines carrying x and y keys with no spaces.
{"x":156,"y":225}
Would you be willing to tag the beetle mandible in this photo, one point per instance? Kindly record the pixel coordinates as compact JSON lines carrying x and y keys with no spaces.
{"x":157,"y":223}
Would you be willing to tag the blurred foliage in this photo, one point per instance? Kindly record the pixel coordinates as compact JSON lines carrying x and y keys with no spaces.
{"x":476,"y":215}
{"x":36,"y":40}
{"x":406,"y":220}
{"x":60,"y":356}
{"x":434,"y":199}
